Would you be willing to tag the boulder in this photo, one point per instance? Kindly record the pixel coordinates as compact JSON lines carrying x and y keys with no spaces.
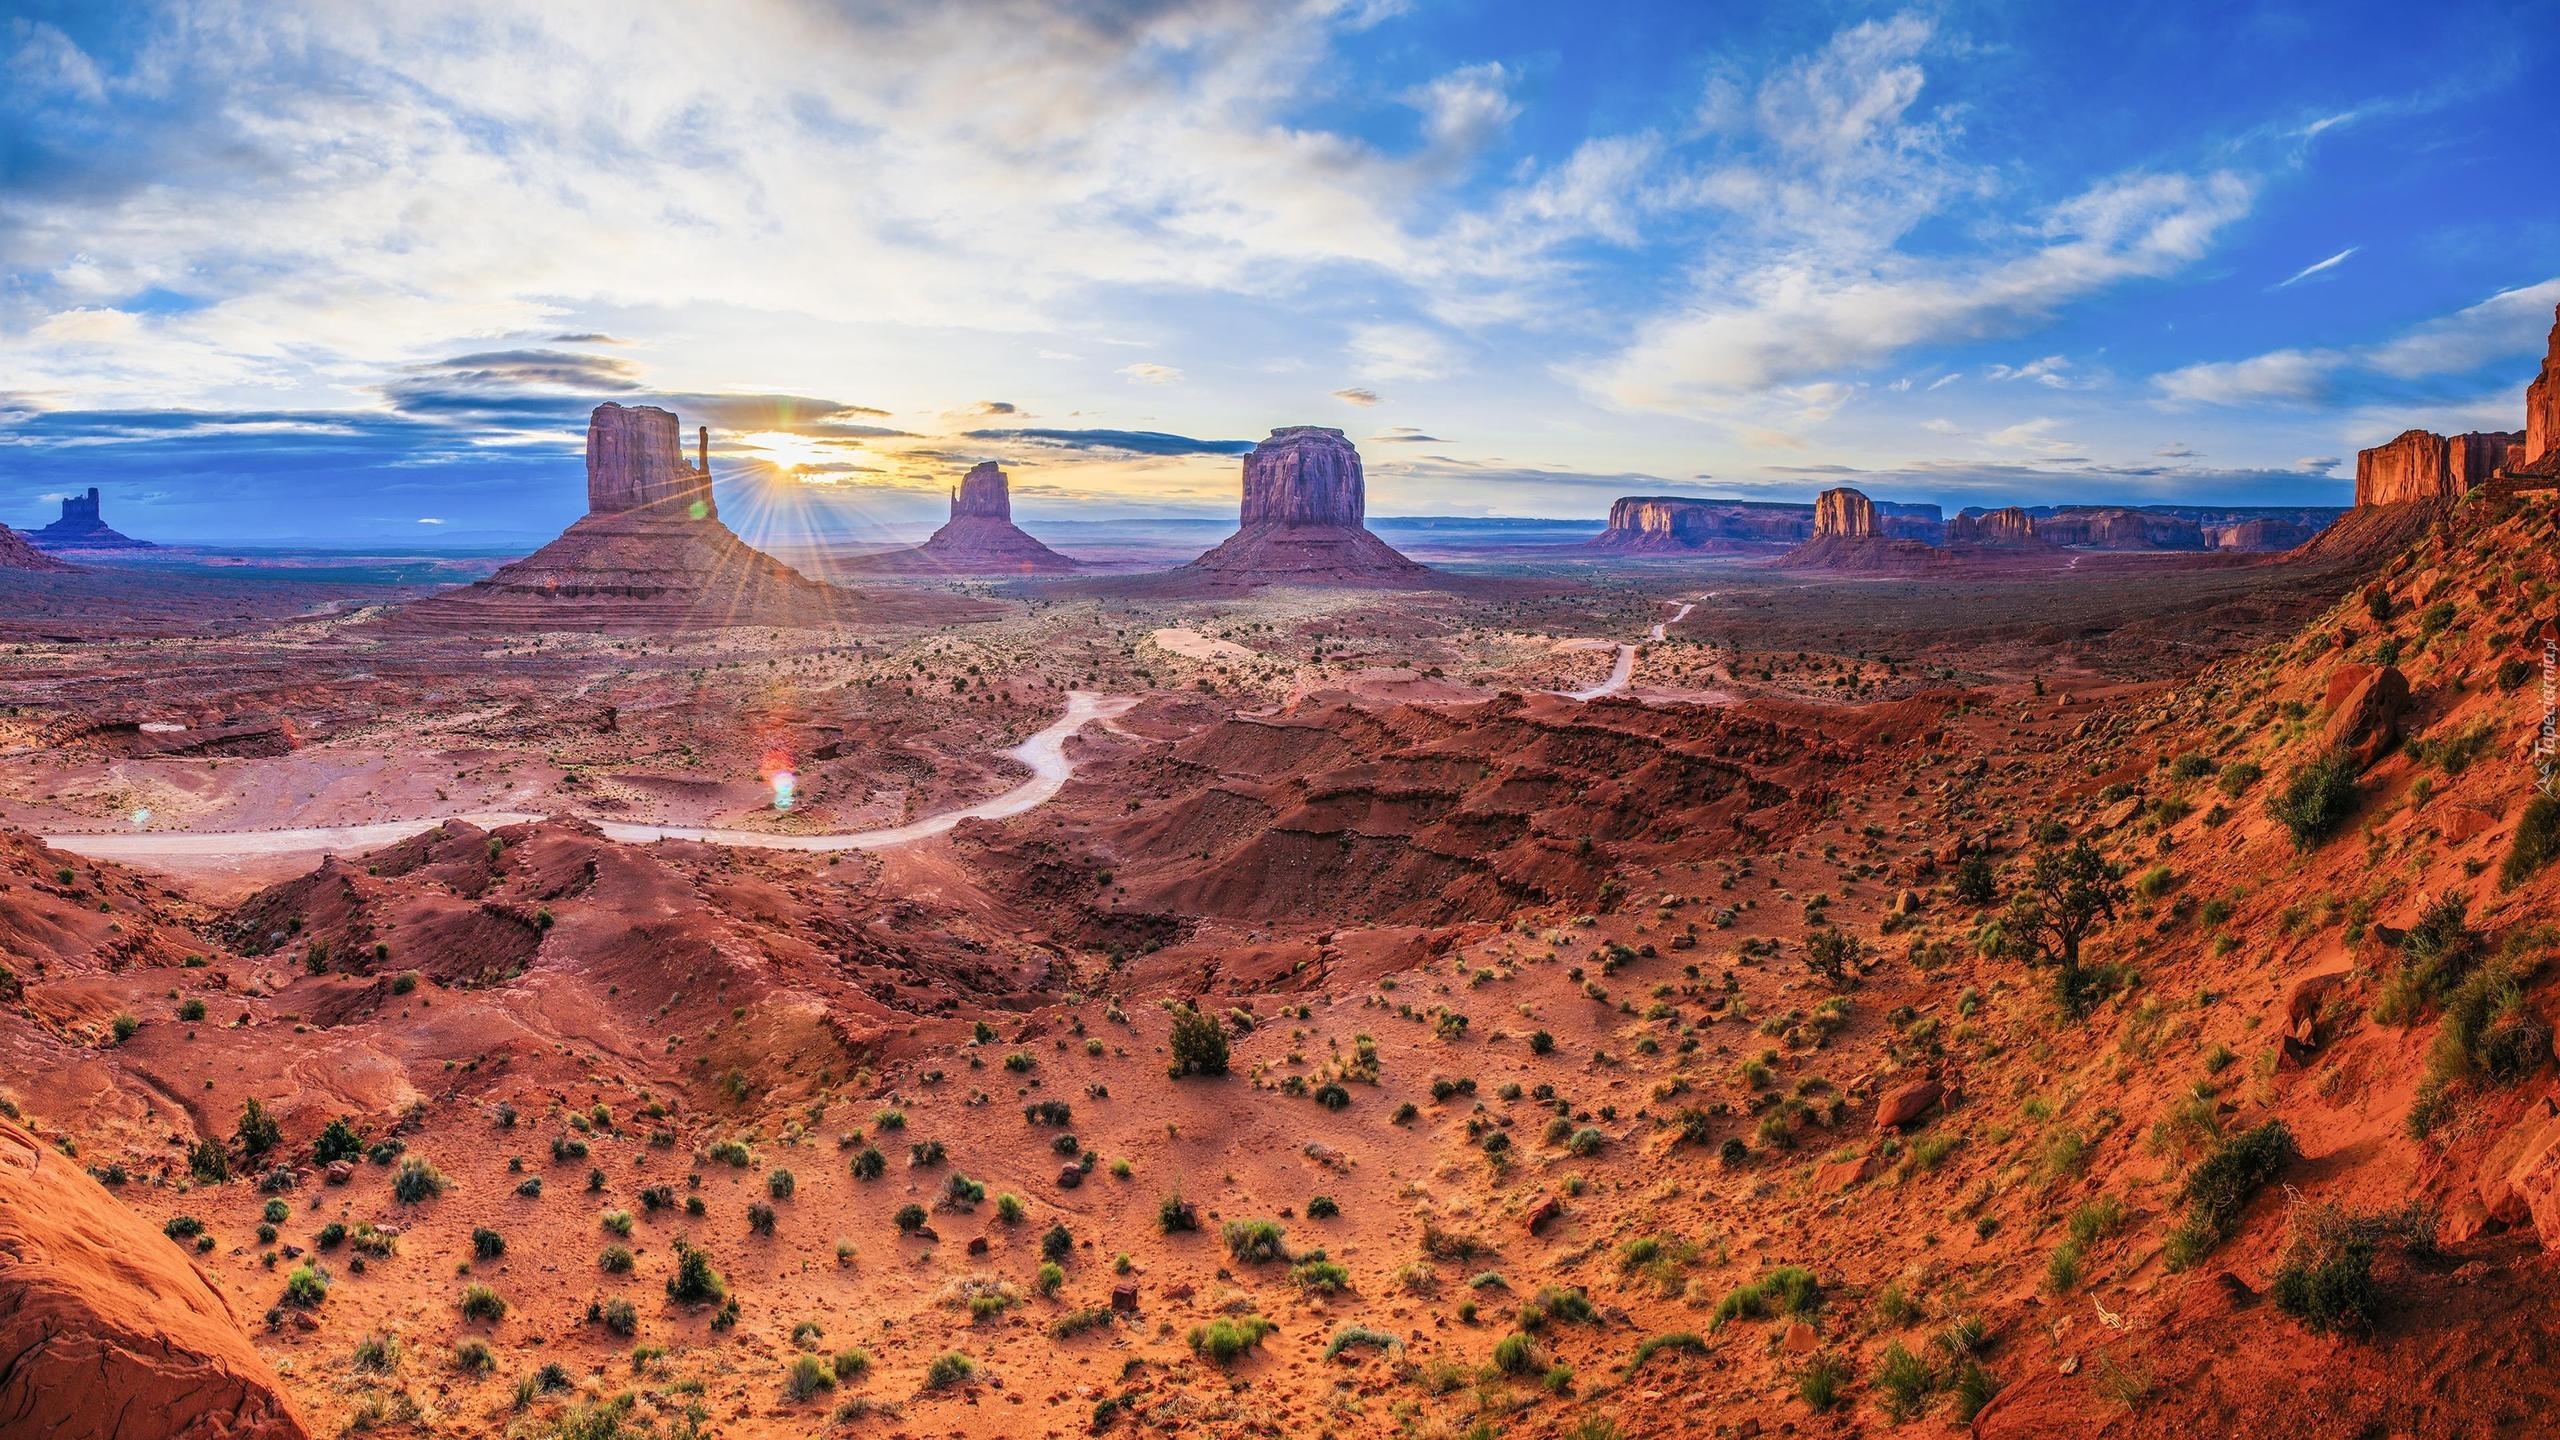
{"x":1800,"y":1339}
{"x":1547,"y":1211}
{"x":1901,"y":1107}
{"x":2518,"y":1177}
{"x":107,"y":1330}
{"x":2365,"y":712}
{"x":1832,"y":1177}
{"x":1070,"y":1176}
{"x":1124,"y":1298}
{"x":2306,"y":1005}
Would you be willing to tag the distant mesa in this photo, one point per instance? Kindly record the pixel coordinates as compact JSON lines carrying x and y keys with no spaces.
{"x":651,"y":553}
{"x":980,"y":538}
{"x":2120,"y":528}
{"x":2007,"y":528}
{"x":16,"y":553}
{"x":2420,"y":467}
{"x":1672,"y":524}
{"x":81,"y":529}
{"x":1304,"y":520}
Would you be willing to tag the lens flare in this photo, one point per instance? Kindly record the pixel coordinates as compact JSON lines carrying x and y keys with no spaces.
{"x":783,"y":783}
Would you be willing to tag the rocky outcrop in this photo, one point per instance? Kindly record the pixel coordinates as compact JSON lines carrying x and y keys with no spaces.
{"x":17,"y":554}
{"x":2264,"y":533}
{"x":635,"y":461}
{"x":2117,"y":528}
{"x":651,"y":556}
{"x":979,"y":539}
{"x":1844,"y":514}
{"x":2420,"y":467}
{"x":107,"y":1329}
{"x":80,"y":528}
{"x":2010,"y":528}
{"x":2542,"y":404}
{"x":1302,"y":519}
{"x":1673,"y":523}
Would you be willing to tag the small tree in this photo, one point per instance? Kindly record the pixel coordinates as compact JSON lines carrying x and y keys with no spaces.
{"x":1974,"y":882}
{"x":258,"y":1132}
{"x":1199,"y":1043}
{"x":2067,"y":896}
{"x":1835,"y":955}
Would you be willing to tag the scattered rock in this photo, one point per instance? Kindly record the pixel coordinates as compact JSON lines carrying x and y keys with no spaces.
{"x":1899,"y":1108}
{"x":1547,"y":1211}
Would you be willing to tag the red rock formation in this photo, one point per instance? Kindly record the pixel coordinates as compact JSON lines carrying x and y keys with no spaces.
{"x":80,"y":528}
{"x":17,"y":554}
{"x":2011,"y":528}
{"x":2264,"y":533}
{"x":635,"y":461}
{"x":650,"y":556}
{"x":1663,"y":522}
{"x":1911,"y":520}
{"x":1301,"y":522}
{"x":1845,"y":513}
{"x":2421,"y":467}
{"x":2116,"y":528}
{"x":979,"y":539}
{"x":2542,"y":403}
{"x":107,"y":1331}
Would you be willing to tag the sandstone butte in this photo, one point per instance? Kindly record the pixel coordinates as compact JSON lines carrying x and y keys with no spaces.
{"x":651,"y":552}
{"x":980,"y":537}
{"x":107,"y":1329}
{"x":2009,"y":527}
{"x":1670,"y":522}
{"x":81,"y":528}
{"x":1851,"y":533}
{"x":1304,"y":519}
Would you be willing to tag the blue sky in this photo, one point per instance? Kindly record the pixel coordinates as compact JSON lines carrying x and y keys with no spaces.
{"x":297,"y":272}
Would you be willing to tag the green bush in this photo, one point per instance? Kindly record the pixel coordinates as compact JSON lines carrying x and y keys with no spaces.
{"x":2317,"y":798}
{"x":808,"y":1375}
{"x":1351,"y":1336}
{"x":1225,"y":1338}
{"x":1687,"y":1342}
{"x":1517,"y":1354}
{"x":479,"y":1302}
{"x":2435,"y":954}
{"x":1199,"y":1043}
{"x":2537,"y":841}
{"x":487,"y":1244}
{"x":1786,"y":1290}
{"x":2326,"y":1279}
{"x":306,"y":1285}
{"x":1819,"y":1383}
{"x":416,"y":1180}
{"x":695,"y":1282}
{"x":2222,"y":1185}
{"x":948,"y":1369}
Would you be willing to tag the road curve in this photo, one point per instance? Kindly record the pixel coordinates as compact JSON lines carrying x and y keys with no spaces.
{"x":1625,"y":669}
{"x":1044,"y":753}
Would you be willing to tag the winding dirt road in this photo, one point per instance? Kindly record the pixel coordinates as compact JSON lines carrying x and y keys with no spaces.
{"x":1045,"y":754}
{"x":1624,"y":671}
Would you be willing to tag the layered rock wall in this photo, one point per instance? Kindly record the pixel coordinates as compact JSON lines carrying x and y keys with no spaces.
{"x":1844,"y":514}
{"x":2418,"y":466}
{"x":1666,"y":522}
{"x":2542,"y":403}
{"x":2010,"y":527}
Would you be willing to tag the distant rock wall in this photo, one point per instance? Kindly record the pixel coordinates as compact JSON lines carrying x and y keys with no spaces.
{"x":2422,"y":467}
{"x":1844,"y":514}
{"x":1668,"y":522}
{"x":984,"y":494}
{"x":1912,"y":520}
{"x":2260,"y":534}
{"x":2115,"y":528}
{"x":2010,"y":527}
{"x":635,"y":461}
{"x":1304,"y":475}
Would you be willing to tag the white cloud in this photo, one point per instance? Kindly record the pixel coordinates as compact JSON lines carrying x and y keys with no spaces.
{"x":89,"y":326}
{"x":2317,"y":267}
{"x":1148,"y":372}
{"x":2511,"y":323}
{"x":1386,"y":351}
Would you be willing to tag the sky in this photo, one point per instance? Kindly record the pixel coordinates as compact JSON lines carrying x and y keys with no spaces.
{"x":300,"y":271}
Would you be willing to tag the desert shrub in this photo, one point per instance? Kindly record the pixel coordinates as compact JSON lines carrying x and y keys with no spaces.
{"x":1255,"y":1242}
{"x":911,"y":1217}
{"x":257,"y":1133}
{"x":1684,"y":1341}
{"x":479,"y":1302}
{"x":1320,"y":1275}
{"x":760,"y":1218}
{"x":2066,"y":896}
{"x":694,"y":1281}
{"x":808,"y":1375}
{"x":416,"y":1180}
{"x":207,"y":1164}
{"x":2326,"y":1279}
{"x":1517,"y":1354}
{"x":306,"y":1285}
{"x":1175,"y":1213}
{"x":2490,"y":1034}
{"x":1322,"y":1207}
{"x":962,"y":1193}
{"x":1904,"y":1382}
{"x":1224,"y":1339}
{"x":1199,"y":1043}
{"x":2537,"y":841}
{"x":1820,"y":1382}
{"x":617,"y":1315}
{"x":2435,"y":954}
{"x":850,"y":1363}
{"x":487,"y":1244}
{"x":616,"y":1260}
{"x":948,"y":1369}
{"x":1834,"y":955}
{"x":780,"y":1184}
{"x":870,"y":1164}
{"x":1786,"y":1290}
{"x":2317,"y":798}
{"x":1973,"y":1386}
{"x":2221,"y":1186}
{"x":474,"y":1357}
{"x":1359,"y":1336}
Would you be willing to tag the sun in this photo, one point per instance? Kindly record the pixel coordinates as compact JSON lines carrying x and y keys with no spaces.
{"x":787,"y":450}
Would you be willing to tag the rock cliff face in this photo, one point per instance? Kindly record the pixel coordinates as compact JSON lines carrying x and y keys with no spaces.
{"x":979,"y":539}
{"x":1912,"y":520}
{"x":984,"y":494}
{"x":80,"y":528}
{"x":2264,"y":533}
{"x":635,"y":461}
{"x":2420,"y":467}
{"x":1666,"y":522}
{"x":17,"y":554}
{"x":2542,"y":403}
{"x":107,"y":1331}
{"x":1304,"y":475}
{"x":1844,"y":514}
{"x":1301,"y":521}
{"x":2010,"y":528}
